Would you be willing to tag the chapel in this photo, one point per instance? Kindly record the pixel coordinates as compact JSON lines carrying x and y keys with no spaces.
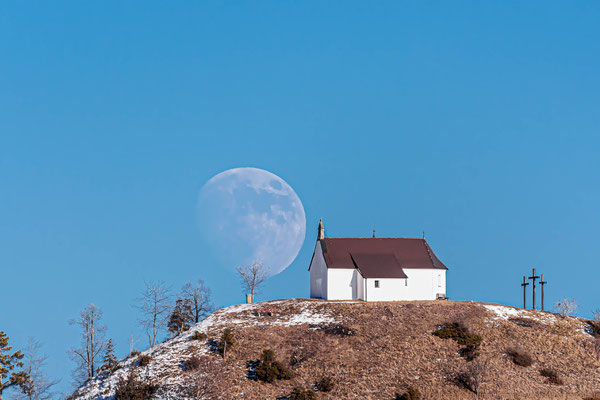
{"x":375,"y":269}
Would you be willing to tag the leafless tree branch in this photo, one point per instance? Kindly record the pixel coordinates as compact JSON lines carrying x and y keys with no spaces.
{"x":155,"y":305}
{"x":38,"y":385}
{"x":566,"y":307}
{"x":198,"y":297}
{"x":92,"y":342}
{"x":252,"y":277}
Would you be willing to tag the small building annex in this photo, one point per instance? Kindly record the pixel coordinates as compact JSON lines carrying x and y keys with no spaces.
{"x":375,"y":269}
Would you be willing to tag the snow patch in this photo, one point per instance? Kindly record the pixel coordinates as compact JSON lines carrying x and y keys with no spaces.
{"x":165,"y":365}
{"x":505,"y":313}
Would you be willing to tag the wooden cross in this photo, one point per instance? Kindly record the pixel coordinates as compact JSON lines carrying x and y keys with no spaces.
{"x":533,"y":277}
{"x":524,"y":284}
{"x":542,"y":283}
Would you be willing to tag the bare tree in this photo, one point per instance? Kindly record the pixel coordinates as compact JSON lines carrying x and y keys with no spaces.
{"x":566,"y":307}
{"x":38,"y":386}
{"x":155,"y":306}
{"x":132,"y":342}
{"x":92,"y":342}
{"x":474,"y":375}
{"x":252,"y":277}
{"x":597,"y":315}
{"x":198,"y":297}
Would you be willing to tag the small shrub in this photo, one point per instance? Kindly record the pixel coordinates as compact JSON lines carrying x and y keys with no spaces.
{"x":335,"y":329}
{"x":594,"y":328}
{"x":131,"y":388}
{"x":474,"y":375}
{"x":191,"y":364}
{"x":464,"y":380}
{"x":144,"y":360}
{"x":519,"y":357}
{"x":469,"y":352}
{"x":565,"y":307}
{"x":325,"y":384}
{"x":595,"y":396}
{"x":204,"y":382}
{"x":300,"y":355}
{"x":411,"y":393}
{"x":264,"y":312}
{"x":270,"y":370}
{"x":551,"y":376}
{"x":299,"y":393}
{"x":134,"y":353}
{"x":227,"y":341}
{"x":460,"y":334}
{"x":199,"y":336}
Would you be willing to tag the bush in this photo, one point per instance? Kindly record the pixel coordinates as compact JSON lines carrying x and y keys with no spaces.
{"x":595,"y":396}
{"x":519,"y":357}
{"x":335,"y":329}
{"x":594,"y":328}
{"x":566,"y":307}
{"x":410,"y":394}
{"x":203,"y":382}
{"x":130,"y":388}
{"x":460,"y":334}
{"x":325,"y":384}
{"x":551,"y":376}
{"x":191,"y":364}
{"x":227,"y":341}
{"x":144,"y":360}
{"x":299,"y":393}
{"x":270,"y":370}
{"x":199,"y":336}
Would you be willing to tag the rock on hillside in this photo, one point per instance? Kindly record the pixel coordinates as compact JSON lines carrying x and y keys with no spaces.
{"x":371,"y":351}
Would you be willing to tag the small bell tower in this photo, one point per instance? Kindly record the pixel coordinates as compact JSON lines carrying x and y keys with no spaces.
{"x":321,"y":230}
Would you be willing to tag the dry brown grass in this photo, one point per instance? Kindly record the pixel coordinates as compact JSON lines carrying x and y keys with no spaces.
{"x":393,"y":347}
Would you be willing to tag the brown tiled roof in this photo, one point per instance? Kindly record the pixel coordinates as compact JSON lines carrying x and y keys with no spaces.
{"x":378,"y":265}
{"x":409,"y":252}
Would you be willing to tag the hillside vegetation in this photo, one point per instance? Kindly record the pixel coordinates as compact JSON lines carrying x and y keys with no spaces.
{"x":357,"y":350}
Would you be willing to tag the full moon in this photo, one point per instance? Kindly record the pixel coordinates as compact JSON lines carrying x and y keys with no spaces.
{"x":249,"y":214}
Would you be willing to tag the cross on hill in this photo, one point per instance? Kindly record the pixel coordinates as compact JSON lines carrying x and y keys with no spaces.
{"x":533,"y":278}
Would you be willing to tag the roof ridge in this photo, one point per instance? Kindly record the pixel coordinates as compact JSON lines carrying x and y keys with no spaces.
{"x":368,"y":237}
{"x":428,"y":252}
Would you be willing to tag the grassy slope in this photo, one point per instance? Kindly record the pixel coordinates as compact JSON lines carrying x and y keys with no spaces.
{"x":393,"y":346}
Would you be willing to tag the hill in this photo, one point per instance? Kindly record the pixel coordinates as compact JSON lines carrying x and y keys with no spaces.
{"x":371,"y":351}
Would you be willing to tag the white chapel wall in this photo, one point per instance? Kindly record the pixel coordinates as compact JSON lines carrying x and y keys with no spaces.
{"x":339,"y":283}
{"x":389,"y":289}
{"x":318,"y":275}
{"x":422,"y":284}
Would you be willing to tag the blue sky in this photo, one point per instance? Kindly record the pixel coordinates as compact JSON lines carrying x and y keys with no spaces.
{"x":476,"y":122}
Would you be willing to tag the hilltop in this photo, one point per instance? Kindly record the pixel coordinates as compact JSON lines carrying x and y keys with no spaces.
{"x":371,"y":351}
